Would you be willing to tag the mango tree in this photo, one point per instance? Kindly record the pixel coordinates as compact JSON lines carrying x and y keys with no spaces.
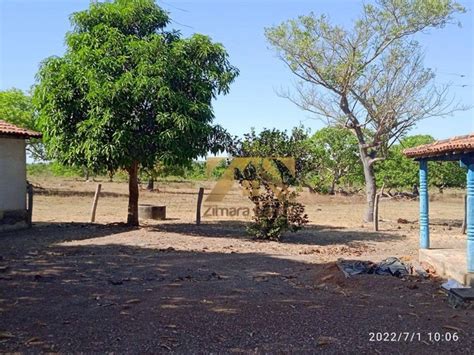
{"x":129,"y":93}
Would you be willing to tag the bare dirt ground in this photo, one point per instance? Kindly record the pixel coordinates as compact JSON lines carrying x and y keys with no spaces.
{"x":172,"y":286}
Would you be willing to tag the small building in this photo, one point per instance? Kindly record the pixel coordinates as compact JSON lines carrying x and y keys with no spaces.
{"x":13,"y":186}
{"x":455,"y":263}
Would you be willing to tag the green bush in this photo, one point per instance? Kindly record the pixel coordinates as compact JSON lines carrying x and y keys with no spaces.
{"x":275,"y":207}
{"x":275,"y":213}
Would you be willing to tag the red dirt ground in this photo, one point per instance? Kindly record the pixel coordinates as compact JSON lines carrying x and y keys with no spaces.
{"x":172,"y":286}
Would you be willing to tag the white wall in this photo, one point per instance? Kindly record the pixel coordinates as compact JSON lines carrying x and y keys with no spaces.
{"x":12,"y":174}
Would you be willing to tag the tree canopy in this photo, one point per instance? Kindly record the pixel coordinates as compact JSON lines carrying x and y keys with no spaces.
{"x":368,"y":78}
{"x":398,"y":171}
{"x":16,"y":107}
{"x":130,"y":93}
{"x":274,"y":143}
{"x":335,"y":152}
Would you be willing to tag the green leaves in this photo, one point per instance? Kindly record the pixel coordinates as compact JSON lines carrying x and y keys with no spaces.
{"x":132,"y":17}
{"x":335,"y":151}
{"x":369,"y":77}
{"x":397,"y":171}
{"x":17,"y":108}
{"x":274,"y":143}
{"x":126,"y":90}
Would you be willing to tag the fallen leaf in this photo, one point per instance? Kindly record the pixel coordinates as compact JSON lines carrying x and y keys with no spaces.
{"x":132,"y":301}
{"x":453,"y":328}
{"x":32,"y":340}
{"x":323,"y":340}
{"x":315,"y":306}
{"x":327,"y":277}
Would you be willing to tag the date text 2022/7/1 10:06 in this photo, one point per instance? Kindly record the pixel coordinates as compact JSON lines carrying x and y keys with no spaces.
{"x":413,"y":336}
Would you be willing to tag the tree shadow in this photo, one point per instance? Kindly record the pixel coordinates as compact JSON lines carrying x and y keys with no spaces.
{"x":456,"y":223}
{"x":122,"y":298}
{"x":48,"y":233}
{"x":320,"y":235}
{"x":77,"y":193}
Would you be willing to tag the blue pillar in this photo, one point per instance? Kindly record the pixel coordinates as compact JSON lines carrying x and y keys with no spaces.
{"x":470,"y":217}
{"x":424,"y":215}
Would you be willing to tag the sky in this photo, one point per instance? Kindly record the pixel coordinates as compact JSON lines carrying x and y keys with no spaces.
{"x":32,"y":30}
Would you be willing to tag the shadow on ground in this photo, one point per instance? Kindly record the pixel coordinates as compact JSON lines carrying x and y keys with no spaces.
{"x":123,"y":298}
{"x":320,"y":235}
{"x":455,"y":223}
{"x":44,"y":234}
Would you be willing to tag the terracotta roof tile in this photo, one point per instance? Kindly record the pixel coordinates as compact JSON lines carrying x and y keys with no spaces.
{"x":8,"y":129}
{"x":455,"y":145}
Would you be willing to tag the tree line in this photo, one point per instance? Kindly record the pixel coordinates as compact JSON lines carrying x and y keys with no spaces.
{"x":328,"y":160}
{"x":130,"y":94}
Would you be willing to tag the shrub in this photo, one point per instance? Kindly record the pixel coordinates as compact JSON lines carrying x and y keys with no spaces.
{"x":275,"y":209}
{"x":275,"y":213}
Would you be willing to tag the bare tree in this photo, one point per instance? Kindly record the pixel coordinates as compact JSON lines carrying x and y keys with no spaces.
{"x":369,"y":79}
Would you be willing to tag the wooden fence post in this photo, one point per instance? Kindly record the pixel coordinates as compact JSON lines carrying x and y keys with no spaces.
{"x":199,"y":203}
{"x":376,"y":208}
{"x":376,"y":213}
{"x":94,"y":203}
{"x":29,"y":209}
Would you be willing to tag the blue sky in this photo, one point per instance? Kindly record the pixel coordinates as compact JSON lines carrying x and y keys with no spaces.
{"x":31,"y":30}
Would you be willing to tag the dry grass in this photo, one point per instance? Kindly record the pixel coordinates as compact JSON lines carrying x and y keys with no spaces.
{"x":335,"y":220}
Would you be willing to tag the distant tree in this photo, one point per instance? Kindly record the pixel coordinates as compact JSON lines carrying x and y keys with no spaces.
{"x":216,"y":172}
{"x":336,"y":153}
{"x":446,"y":174}
{"x":16,"y":107}
{"x":397,"y":171}
{"x":276,"y":143}
{"x":128,"y":93}
{"x":370,"y":78}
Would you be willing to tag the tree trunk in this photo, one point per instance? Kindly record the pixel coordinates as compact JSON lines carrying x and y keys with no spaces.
{"x":151,"y":184}
{"x":132,"y":217}
{"x":370,"y":187}
{"x":365,"y":157}
{"x":333,"y":187}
